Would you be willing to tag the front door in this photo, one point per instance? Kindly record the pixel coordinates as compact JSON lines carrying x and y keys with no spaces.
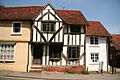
{"x":37,"y":54}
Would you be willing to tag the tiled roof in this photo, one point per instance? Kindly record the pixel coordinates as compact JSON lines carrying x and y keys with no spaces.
{"x":116,"y":41}
{"x":74,"y":16}
{"x":19,"y":13}
{"x":95,"y":28}
{"x":29,"y":12}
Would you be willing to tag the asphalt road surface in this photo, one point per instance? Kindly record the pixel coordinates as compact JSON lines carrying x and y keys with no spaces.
{"x":16,"y":78}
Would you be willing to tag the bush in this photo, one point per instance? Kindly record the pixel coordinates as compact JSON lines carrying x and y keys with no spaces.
{"x":85,"y":72}
{"x":74,"y":72}
{"x":71,"y":72}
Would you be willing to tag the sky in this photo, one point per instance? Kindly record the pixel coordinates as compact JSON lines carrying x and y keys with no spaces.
{"x":105,"y":11}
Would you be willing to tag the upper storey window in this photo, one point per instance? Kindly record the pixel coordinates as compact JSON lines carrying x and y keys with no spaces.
{"x":94,"y":40}
{"x":74,"y":29}
{"x":48,"y":26}
{"x":16,"y":27}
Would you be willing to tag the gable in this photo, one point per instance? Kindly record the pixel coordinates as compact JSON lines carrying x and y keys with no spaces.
{"x":48,"y":13}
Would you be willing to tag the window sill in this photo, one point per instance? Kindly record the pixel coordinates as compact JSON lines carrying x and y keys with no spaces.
{"x":48,"y":32}
{"x":55,"y":59}
{"x":73,"y":59}
{"x":16,"y":34}
{"x":94,"y":46}
{"x":8,"y":61}
{"x":96,"y":63}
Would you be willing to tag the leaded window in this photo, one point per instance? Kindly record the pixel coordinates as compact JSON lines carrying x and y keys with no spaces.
{"x":6,"y":52}
{"x":73,"y":53}
{"x":48,"y":26}
{"x":94,"y":57}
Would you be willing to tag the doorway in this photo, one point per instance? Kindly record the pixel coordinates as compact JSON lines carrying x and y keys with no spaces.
{"x":37,"y":54}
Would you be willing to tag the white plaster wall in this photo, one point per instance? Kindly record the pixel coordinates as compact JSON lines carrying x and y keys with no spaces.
{"x":82,"y":48}
{"x":101,"y":49}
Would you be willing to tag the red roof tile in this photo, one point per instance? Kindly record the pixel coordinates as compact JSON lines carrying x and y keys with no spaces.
{"x":74,"y":16}
{"x":29,"y":12}
{"x":19,"y":13}
{"x":116,"y":41}
{"x":95,"y":28}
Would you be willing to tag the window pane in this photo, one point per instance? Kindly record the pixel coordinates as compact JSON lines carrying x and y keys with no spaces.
{"x":16,"y":27}
{"x":91,"y":40}
{"x":94,"y":57}
{"x":73,"y":52}
{"x":96,"y":40}
{"x":52,"y":26}
{"x":48,"y":26}
{"x":82,"y":29}
{"x":75,"y":28}
{"x":65,"y":29}
{"x":55,"y":51}
{"x":7,"y":53}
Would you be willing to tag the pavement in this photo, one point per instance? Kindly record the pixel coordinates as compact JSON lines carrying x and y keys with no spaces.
{"x":59,"y":75}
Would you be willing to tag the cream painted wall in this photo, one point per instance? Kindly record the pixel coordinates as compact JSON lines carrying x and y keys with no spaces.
{"x":101,"y":48}
{"x":21,"y":45}
{"x":6,"y":31}
{"x":21,"y":57}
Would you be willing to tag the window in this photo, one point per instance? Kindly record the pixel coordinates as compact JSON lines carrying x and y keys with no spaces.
{"x":75,"y":28}
{"x":66,"y":29}
{"x":82,"y":29}
{"x":73,"y":53}
{"x":55,"y":51}
{"x":48,"y":26}
{"x":16,"y":27}
{"x":94,"y":57}
{"x":6,"y":52}
{"x":94,"y":40}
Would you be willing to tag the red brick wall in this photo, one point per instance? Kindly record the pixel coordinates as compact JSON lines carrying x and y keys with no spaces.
{"x":64,"y":68}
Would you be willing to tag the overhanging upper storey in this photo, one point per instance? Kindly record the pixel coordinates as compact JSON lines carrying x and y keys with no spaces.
{"x":48,"y":26}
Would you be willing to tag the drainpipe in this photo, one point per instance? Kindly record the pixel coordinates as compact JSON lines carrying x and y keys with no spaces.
{"x":28,"y":45}
{"x":28,"y":59}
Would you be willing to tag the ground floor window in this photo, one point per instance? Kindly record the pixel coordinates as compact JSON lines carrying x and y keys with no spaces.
{"x":55,"y":51}
{"x":6,"y":52}
{"x":73,"y":53}
{"x":94,"y":57}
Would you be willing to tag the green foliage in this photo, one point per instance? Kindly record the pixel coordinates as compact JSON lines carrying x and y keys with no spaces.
{"x":74,"y":72}
{"x":85,"y":72}
{"x":71,"y":72}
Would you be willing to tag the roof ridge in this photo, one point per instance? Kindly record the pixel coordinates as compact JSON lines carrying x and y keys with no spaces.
{"x":22,"y":6}
{"x":37,"y":6}
{"x":93,"y":21}
{"x":116,"y":34}
{"x":66,"y":10}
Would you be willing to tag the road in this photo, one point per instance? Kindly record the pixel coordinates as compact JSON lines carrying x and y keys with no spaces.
{"x":16,"y":78}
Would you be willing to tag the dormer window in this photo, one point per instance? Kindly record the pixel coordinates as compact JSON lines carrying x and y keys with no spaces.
{"x":16,"y":27}
{"x":48,"y":26}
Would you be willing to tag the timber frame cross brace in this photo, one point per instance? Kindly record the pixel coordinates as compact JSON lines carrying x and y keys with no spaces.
{"x":43,"y":35}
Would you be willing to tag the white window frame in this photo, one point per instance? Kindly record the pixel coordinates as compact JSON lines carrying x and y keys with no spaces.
{"x":5,"y":59}
{"x":20,"y":28}
{"x":94,"y":58}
